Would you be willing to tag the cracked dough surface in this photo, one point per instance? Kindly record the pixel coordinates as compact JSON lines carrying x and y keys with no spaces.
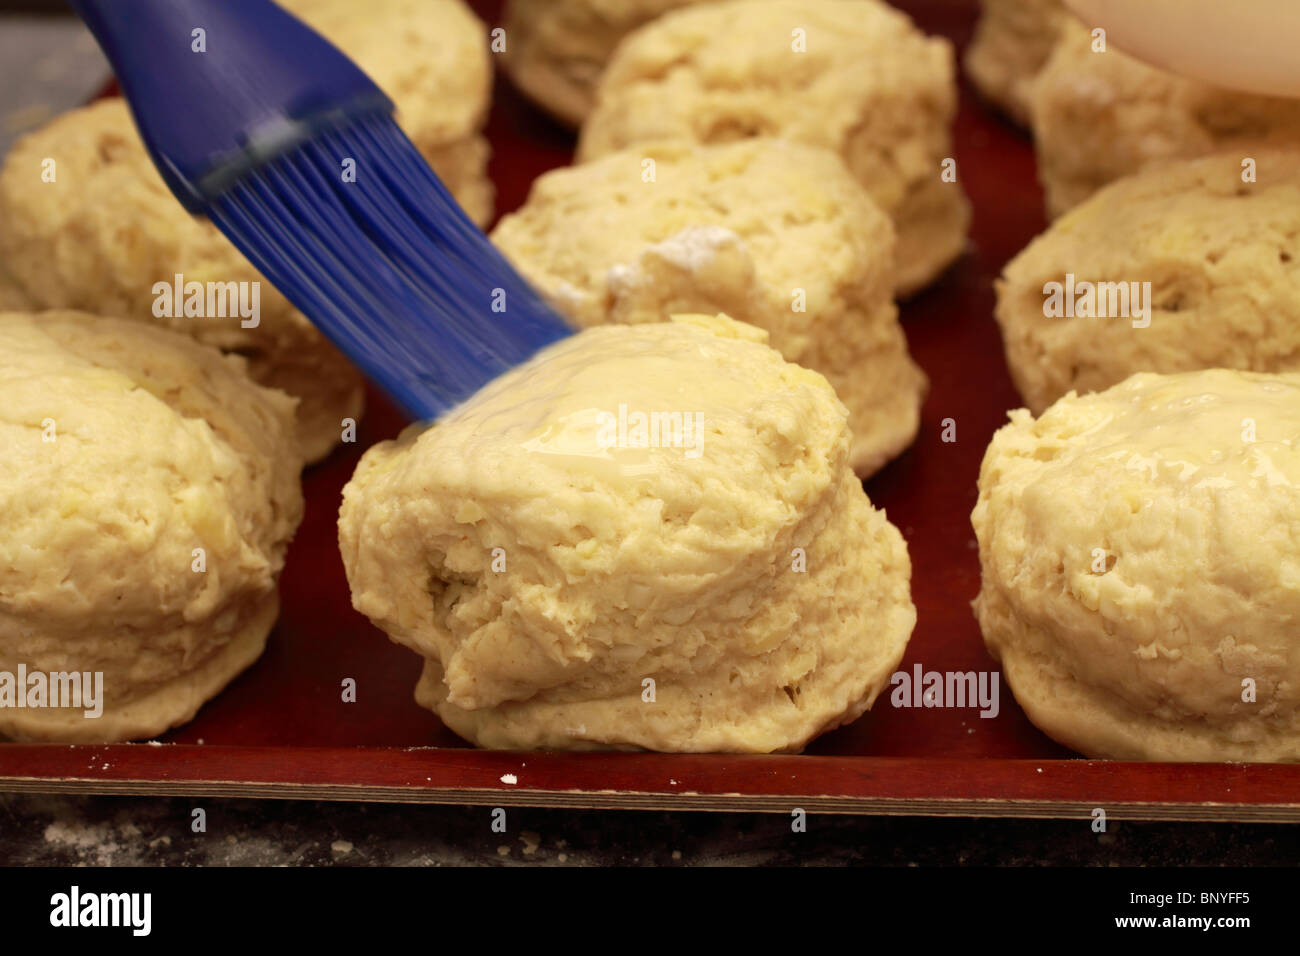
{"x":870,"y":87}
{"x":1100,"y":116}
{"x":557,"y":49}
{"x":623,"y":563}
{"x":160,"y":446}
{"x":1190,"y":486}
{"x":736,"y":229}
{"x":1222,"y":257}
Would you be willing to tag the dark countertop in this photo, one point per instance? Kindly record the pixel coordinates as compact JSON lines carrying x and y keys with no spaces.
{"x":126,"y":831}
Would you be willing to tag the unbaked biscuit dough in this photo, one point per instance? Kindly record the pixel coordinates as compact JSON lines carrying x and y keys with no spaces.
{"x":1012,"y":41}
{"x":549,"y":559}
{"x":1140,"y":571}
{"x":1211,"y":259}
{"x":1100,"y":116}
{"x":432,"y":58}
{"x":126,"y":448}
{"x":107,"y":230}
{"x":868,"y":85}
{"x":557,"y":49}
{"x":769,"y":232}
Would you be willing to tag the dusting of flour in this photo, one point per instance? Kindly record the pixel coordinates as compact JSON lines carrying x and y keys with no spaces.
{"x":691,"y":250}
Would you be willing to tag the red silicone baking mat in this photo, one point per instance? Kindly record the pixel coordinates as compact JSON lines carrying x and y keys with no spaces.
{"x":282,"y":729}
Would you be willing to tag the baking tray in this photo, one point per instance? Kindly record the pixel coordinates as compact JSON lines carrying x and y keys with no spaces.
{"x":282,"y":730}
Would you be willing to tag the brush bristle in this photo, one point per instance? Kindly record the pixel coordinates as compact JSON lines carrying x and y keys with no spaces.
{"x":388,"y":266}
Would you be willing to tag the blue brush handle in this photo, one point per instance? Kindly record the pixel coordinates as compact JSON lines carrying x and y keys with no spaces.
{"x":265,"y":84}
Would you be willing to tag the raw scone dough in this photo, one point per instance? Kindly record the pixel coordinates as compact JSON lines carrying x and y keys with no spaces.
{"x":547,"y":563}
{"x":1140,"y":563}
{"x":107,"y":229}
{"x":1221,"y":257}
{"x":127,"y":447}
{"x":753,"y":229}
{"x":557,"y":49}
{"x":1100,"y":116}
{"x":1012,"y":41}
{"x":432,"y":58}
{"x":869,"y":86}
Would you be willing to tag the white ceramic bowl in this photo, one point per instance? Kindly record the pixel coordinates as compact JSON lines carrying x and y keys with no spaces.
{"x":1251,"y":45}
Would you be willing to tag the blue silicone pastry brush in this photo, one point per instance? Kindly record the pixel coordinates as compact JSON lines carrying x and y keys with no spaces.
{"x":259,"y":123}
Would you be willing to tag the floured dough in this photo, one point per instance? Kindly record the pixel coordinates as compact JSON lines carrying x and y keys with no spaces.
{"x":1013,"y":39}
{"x":432,"y":58}
{"x":572,"y":583}
{"x":557,"y":49}
{"x":1100,"y":116}
{"x":126,"y":449}
{"x":769,"y":232}
{"x":867,"y":85}
{"x":1221,"y":259}
{"x":107,"y":230}
{"x":1141,"y":577}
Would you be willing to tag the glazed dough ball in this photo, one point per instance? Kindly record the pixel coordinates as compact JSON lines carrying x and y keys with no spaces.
{"x":1013,"y":39}
{"x":1100,"y":116}
{"x":755,"y":229}
{"x":1140,"y":566}
{"x":100,"y":237}
{"x":557,"y":49}
{"x":869,"y":86}
{"x":1221,"y":257}
{"x":432,"y":58}
{"x":547,"y":551}
{"x":127,"y":447}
